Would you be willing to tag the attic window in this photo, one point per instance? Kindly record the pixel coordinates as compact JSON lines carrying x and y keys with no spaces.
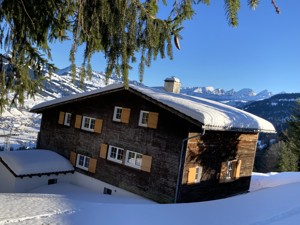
{"x":148,"y":119}
{"x":67,"y":120}
{"x":121,"y":114}
{"x":88,"y":123}
{"x":117,"y":114}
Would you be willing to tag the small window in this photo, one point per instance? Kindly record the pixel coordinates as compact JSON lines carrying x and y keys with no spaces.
{"x":67,"y":120}
{"x":134,"y":159}
{"x":115,"y":154}
{"x":107,"y":191}
{"x":143,"y":121}
{"x":230,"y":170}
{"x":117,"y":114}
{"x":88,"y":123}
{"x":198,"y":174}
{"x":83,"y":162}
{"x":52,"y":181}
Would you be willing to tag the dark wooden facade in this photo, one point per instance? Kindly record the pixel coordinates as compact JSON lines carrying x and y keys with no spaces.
{"x":167,"y":145}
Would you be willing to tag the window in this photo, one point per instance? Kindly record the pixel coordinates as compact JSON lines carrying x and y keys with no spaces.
{"x":230,"y":170}
{"x":198,"y":174}
{"x":52,"y":181}
{"x":117,"y":114}
{"x":82,"y":162}
{"x":143,"y":121}
{"x":134,"y":159}
{"x":194,"y":175}
{"x":121,"y":114}
{"x":107,"y":191}
{"x":67,"y":120}
{"x":148,"y":119}
{"x":88,"y":123}
{"x":115,"y":154}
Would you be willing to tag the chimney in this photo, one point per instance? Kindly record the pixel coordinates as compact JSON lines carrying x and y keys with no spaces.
{"x":172,"y":84}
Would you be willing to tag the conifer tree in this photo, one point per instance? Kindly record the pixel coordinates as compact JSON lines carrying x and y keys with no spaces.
{"x":293,"y":133}
{"x":288,"y":160}
{"x":118,"y":28}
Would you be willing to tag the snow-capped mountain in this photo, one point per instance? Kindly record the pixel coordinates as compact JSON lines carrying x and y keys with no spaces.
{"x":231,"y":97}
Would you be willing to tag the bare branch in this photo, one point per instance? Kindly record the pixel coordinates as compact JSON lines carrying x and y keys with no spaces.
{"x":276,"y":7}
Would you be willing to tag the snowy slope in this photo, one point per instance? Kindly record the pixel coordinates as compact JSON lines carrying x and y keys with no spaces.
{"x":67,"y":204}
{"x":23,"y":126}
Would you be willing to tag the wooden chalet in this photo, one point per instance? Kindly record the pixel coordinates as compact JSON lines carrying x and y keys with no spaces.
{"x":158,"y":144}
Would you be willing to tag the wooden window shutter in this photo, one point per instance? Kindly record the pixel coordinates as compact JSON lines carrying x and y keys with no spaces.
{"x":238,"y":169}
{"x":125,"y":115}
{"x":191,"y":175}
{"x":146,"y":163}
{"x":152,"y":120}
{"x":223,"y":172}
{"x":92,"y":165}
{"x":103,"y":151}
{"x":78,"y":121}
{"x":73,"y":157}
{"x":98,"y":126}
{"x":61,"y":117}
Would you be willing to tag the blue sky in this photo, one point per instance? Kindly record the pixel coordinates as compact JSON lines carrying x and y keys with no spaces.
{"x":263,"y":52}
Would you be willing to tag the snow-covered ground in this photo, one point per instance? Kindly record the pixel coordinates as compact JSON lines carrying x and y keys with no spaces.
{"x":67,"y":204}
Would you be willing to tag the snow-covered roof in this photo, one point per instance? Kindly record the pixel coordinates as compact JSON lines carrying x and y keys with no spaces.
{"x":34,"y":162}
{"x":213,"y":115}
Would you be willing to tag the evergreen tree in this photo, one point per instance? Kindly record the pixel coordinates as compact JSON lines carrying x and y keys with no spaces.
{"x":293,"y":133}
{"x":288,"y":160}
{"x":118,"y":28}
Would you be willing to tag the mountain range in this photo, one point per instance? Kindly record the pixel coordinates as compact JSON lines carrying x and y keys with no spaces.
{"x":19,"y":127}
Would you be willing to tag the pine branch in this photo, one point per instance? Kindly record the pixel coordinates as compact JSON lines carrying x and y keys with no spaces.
{"x":275,"y":6}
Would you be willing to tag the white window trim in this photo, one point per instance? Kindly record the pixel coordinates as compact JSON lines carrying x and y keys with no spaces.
{"x":83,"y":122}
{"x":142,"y":112}
{"x":84,"y":161}
{"x":115,"y":114}
{"x":199,"y":174}
{"x":117,"y":152}
{"x":67,"y":115}
{"x":131,"y":164}
{"x":229,"y":171}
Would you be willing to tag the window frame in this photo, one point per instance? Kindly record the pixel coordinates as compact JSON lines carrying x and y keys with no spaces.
{"x":85,"y":162}
{"x":230,"y":170}
{"x":141,"y":122}
{"x":118,"y":150}
{"x":67,"y":119}
{"x":89,"y":123}
{"x":134,"y":165}
{"x":198,"y":174}
{"x":116,"y":113}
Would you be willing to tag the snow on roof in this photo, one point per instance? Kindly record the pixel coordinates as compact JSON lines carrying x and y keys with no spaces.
{"x":176,"y":79}
{"x":30,"y":162}
{"x":213,"y":115}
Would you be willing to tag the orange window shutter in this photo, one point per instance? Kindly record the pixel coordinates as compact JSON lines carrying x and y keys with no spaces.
{"x":61,"y":117}
{"x":92,"y":165}
{"x":78,"y":121}
{"x":152,"y":120}
{"x":238,"y":169}
{"x":73,"y":157}
{"x":146,"y":163}
{"x":191,"y":175}
{"x":98,"y":126}
{"x":125,"y":115}
{"x":103,"y":151}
